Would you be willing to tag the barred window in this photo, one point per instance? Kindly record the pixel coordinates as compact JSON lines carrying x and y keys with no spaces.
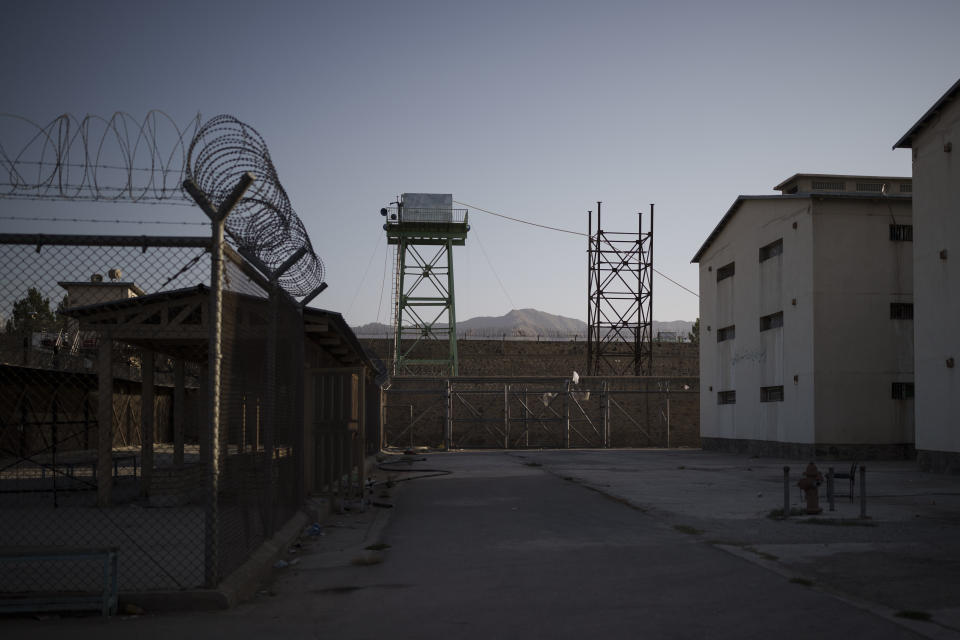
{"x":726,"y":271}
{"x":726,"y":397}
{"x":771,"y":394}
{"x":875,"y":187}
{"x":901,"y":311}
{"x":901,"y":232}
{"x":726,"y":333}
{"x":771,"y":321}
{"x":906,"y":187}
{"x":775,"y":248}
{"x":901,"y":390}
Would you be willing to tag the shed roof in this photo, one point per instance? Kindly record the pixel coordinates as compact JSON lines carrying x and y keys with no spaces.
{"x":328,"y":329}
{"x":340,"y":340}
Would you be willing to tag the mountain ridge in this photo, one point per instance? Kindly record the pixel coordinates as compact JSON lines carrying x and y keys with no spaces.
{"x":526,"y":322}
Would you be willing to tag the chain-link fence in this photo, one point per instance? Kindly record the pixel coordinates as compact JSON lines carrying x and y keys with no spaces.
{"x":540,"y":412}
{"x":106,"y":421}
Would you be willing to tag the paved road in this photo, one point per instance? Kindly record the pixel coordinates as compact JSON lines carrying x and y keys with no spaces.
{"x":501,"y":548}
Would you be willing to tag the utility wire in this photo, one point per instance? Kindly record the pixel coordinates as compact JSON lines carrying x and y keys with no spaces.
{"x":495,"y":274}
{"x":576,"y":233}
{"x":364,"y":278}
{"x":386,"y":257}
{"x":533,"y":224}
{"x":662,"y":275}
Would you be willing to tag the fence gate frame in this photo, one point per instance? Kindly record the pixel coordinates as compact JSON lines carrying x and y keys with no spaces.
{"x":335,"y":426}
{"x":529,"y":412}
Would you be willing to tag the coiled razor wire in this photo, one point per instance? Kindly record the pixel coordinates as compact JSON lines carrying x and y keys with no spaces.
{"x":108,"y":159}
{"x":263,"y":221}
{"x":120,"y":159}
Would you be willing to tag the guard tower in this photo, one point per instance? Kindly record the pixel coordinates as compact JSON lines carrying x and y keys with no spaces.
{"x":424,"y":228}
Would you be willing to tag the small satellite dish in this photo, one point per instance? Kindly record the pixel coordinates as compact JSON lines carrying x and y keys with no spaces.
{"x":115,"y":274}
{"x":383,"y":211}
{"x":96,"y":278}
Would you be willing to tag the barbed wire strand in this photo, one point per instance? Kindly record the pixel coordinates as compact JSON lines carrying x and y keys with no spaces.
{"x":103,"y":221}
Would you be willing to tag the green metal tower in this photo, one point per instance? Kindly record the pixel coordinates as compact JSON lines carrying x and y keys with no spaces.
{"x":424,"y":227}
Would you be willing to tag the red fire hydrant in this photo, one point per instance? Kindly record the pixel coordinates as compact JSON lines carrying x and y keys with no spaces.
{"x":810,"y":484}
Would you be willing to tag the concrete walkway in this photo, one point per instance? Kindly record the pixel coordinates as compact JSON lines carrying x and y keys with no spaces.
{"x":903,"y":559}
{"x":531,"y":545}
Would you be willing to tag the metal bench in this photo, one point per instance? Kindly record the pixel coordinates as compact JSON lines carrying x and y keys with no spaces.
{"x":60,"y":600}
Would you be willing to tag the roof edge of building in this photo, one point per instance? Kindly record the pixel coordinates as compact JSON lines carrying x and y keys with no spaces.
{"x":790,"y":196}
{"x":906,"y":140}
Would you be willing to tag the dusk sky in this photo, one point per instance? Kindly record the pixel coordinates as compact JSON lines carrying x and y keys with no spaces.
{"x":535,"y":110}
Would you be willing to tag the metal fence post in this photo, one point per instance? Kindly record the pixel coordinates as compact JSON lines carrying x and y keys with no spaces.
{"x":506,"y":416}
{"x":605,"y":410}
{"x":212,"y":462}
{"x":566,"y":415}
{"x":830,"y":494}
{"x":526,"y":419}
{"x":863,"y":491}
{"x":668,"y":415}
{"x":448,"y":418}
{"x":218,"y":219}
{"x":786,"y":492}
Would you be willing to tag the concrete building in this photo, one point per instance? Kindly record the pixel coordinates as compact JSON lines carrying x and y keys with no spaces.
{"x":806,"y":330}
{"x":935,"y":141}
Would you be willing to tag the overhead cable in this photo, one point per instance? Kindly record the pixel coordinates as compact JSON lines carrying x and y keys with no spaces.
{"x":575,"y":233}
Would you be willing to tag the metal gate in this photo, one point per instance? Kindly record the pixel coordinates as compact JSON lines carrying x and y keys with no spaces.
{"x":527,"y":412}
{"x":335,"y":416}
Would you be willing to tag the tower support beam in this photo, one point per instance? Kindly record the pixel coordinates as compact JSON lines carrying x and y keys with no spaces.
{"x":619,"y":299}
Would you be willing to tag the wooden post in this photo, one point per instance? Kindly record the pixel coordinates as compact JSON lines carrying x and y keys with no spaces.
{"x":362,"y":431}
{"x":105,"y":420}
{"x":179,"y":411}
{"x":203,"y":424}
{"x":147,"y":358}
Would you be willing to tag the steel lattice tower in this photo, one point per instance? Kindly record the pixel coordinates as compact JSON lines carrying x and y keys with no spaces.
{"x":619,"y":300}
{"x":424,"y":228}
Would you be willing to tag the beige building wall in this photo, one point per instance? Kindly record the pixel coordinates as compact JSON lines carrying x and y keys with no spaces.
{"x":936,"y":176}
{"x":859,"y":350}
{"x":755,"y":358}
{"x":837,"y":353}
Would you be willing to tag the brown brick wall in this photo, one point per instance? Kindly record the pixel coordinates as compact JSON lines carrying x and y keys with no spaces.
{"x":531,"y":358}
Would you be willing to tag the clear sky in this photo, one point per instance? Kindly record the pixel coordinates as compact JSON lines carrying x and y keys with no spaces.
{"x":532,"y":109}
